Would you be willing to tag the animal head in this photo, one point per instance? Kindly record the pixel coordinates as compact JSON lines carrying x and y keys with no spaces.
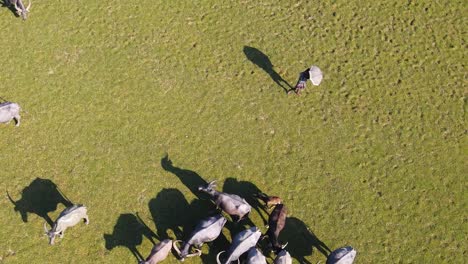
{"x":210,"y":188}
{"x":50,"y":234}
{"x":268,"y":200}
{"x":279,"y":248}
{"x":21,"y":10}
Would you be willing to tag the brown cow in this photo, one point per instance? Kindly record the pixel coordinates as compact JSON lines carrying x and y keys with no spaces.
{"x":276,"y":223}
{"x":269,"y":201}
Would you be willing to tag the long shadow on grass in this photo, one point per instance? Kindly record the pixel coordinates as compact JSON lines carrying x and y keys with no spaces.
{"x":172,"y":213}
{"x":3,"y":3}
{"x":128,"y":232}
{"x":189,"y":178}
{"x":40,"y":197}
{"x":174,"y":216}
{"x":246,"y":190}
{"x":219,"y":244}
{"x":261,"y":60}
{"x":301,"y":240}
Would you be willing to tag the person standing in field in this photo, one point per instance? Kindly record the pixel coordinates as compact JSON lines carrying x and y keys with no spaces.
{"x":313,"y":73}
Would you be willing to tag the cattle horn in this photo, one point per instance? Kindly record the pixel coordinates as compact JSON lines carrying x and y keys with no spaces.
{"x":11,"y":200}
{"x":176,"y":248}
{"x":197,"y":253}
{"x":219,"y":262}
{"x":45,"y":228}
{"x":29,"y":5}
{"x":212,"y":184}
{"x":217,"y":257}
{"x":283,"y":246}
{"x":18,"y":9}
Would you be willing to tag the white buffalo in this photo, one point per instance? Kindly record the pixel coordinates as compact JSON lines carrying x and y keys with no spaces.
{"x":10,"y":111}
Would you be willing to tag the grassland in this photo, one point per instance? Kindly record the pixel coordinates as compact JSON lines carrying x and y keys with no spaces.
{"x":128,"y":104}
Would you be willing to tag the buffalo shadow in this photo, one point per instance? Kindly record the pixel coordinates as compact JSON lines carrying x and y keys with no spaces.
{"x":262,"y":61}
{"x":189,"y":178}
{"x":128,"y":232}
{"x":40,"y":197}
{"x":4,"y":3}
{"x":301,"y":240}
{"x":172,"y":212}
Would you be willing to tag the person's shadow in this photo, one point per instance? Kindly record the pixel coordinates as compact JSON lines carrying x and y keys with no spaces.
{"x":301,"y":240}
{"x":262,"y":61}
{"x":246,"y":190}
{"x":189,"y":178}
{"x":128,"y":232}
{"x":40,"y":197}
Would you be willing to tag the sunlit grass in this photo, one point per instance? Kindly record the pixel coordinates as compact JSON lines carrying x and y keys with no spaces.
{"x":374,"y":157}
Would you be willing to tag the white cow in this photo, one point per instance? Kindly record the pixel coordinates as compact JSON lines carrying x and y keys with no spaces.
{"x":344,"y":255}
{"x":10,"y":111}
{"x":67,"y":218}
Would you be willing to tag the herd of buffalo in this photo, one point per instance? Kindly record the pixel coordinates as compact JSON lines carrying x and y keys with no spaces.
{"x":244,"y":244}
{"x":208,"y":229}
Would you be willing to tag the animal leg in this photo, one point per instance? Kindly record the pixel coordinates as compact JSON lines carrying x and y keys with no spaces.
{"x":86,"y":220}
{"x":61,"y":234}
{"x":17,"y":120}
{"x":235,"y":218}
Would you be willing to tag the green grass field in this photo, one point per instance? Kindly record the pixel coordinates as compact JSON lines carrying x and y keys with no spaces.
{"x":128,"y":105}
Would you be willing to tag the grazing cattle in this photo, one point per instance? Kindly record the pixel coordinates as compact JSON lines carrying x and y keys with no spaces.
{"x":344,"y":255}
{"x":67,"y":218}
{"x":206,"y":231}
{"x":21,"y":10}
{"x":268,"y":200}
{"x":283,"y":257}
{"x":241,"y":243}
{"x":276,"y":223}
{"x":232,"y":204}
{"x":159,"y":252}
{"x":254,"y":256}
{"x":10,"y":111}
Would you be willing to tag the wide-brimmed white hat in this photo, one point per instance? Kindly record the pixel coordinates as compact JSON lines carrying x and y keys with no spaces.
{"x":315,"y":75}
